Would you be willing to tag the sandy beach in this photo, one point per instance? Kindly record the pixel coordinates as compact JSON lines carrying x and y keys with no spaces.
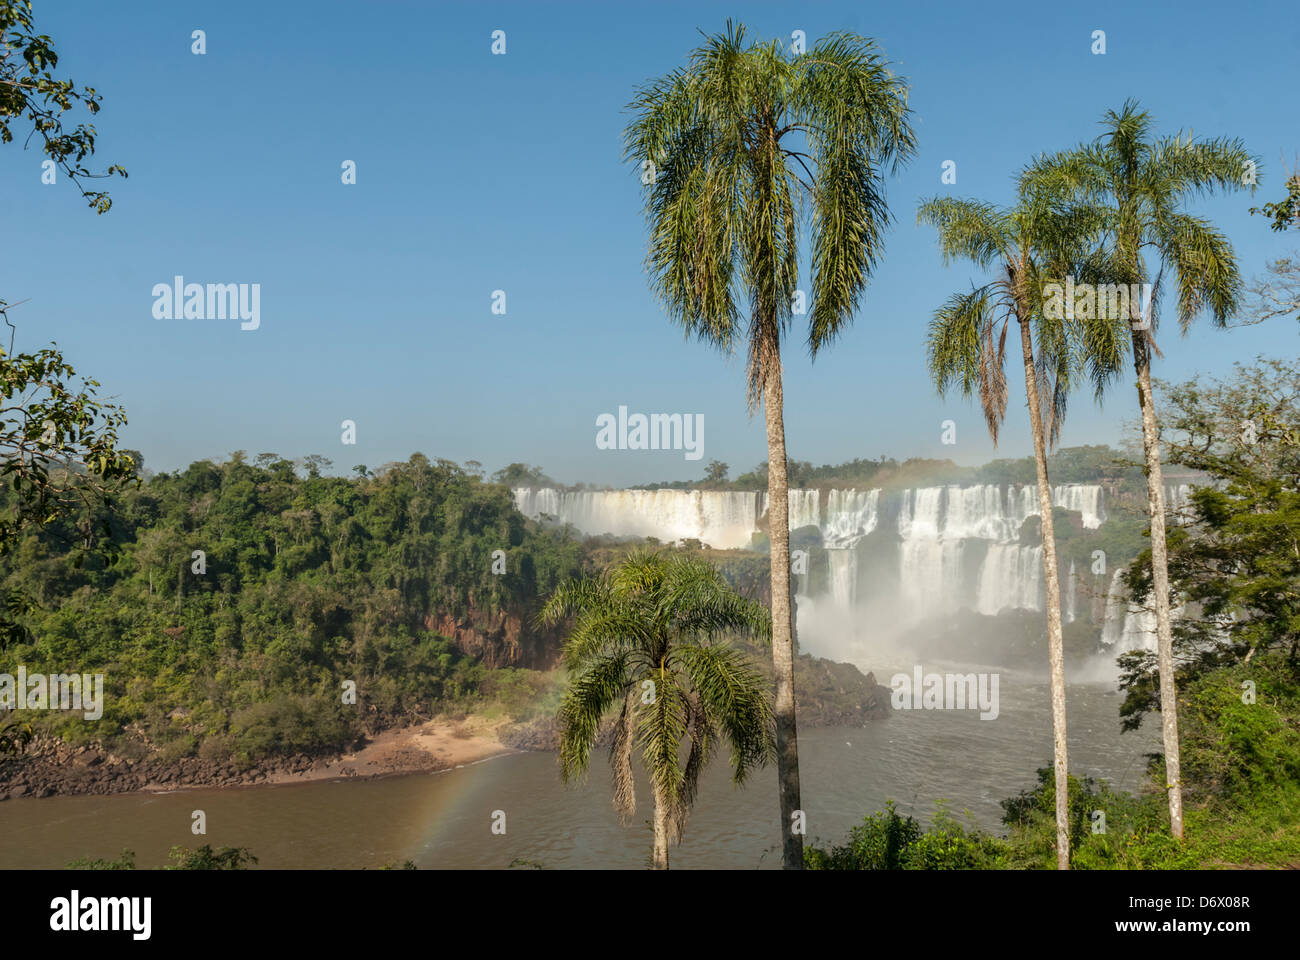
{"x":438,"y":744}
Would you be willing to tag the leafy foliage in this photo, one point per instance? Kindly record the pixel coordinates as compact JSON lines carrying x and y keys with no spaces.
{"x":206,"y":858}
{"x":1284,"y":213}
{"x":1139,"y":185}
{"x":649,"y":646}
{"x":1241,"y":769}
{"x":1235,"y":558}
{"x":58,"y":448}
{"x":1042,"y":239}
{"x":182,"y":858}
{"x":125,"y":862}
{"x":308,"y":580}
{"x":890,"y":841}
{"x":30,"y":91}
{"x":739,"y":145}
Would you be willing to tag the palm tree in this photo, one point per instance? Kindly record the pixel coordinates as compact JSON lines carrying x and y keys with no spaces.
{"x":736,"y":149}
{"x":1024,"y":247}
{"x":649,"y":645}
{"x":1142,"y":184}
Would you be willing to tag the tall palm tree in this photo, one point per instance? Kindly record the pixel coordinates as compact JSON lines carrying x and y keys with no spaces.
{"x":1023,"y":247}
{"x":649,"y":643}
{"x":1143,"y":184}
{"x":738,"y":150}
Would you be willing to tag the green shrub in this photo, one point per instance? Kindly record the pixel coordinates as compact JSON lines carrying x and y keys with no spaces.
{"x":889,"y":841}
{"x":125,"y":862}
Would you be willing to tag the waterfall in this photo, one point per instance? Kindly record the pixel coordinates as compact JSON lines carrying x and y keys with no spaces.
{"x":985,"y":512}
{"x":850,"y":514}
{"x":805,"y":508}
{"x":930,"y":576}
{"x":1177,"y":500}
{"x":921,"y":514}
{"x":1116,"y":611}
{"x":988,"y":512}
{"x":1129,"y":626}
{"x":1085,"y":498}
{"x":1139,"y":629}
{"x":722,"y":519}
{"x":1071,"y":594}
{"x":958,"y":546}
{"x":1012,"y":576}
{"x":844,"y":577}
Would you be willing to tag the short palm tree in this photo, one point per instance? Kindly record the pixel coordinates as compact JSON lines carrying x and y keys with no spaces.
{"x":1142,"y":185}
{"x":736,"y":149}
{"x":1024,"y":247}
{"x":650,"y":646}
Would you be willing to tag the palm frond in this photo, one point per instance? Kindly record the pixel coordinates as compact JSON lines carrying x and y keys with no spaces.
{"x":660,"y":729}
{"x":701,"y":735}
{"x":732,"y":694}
{"x":855,"y":111}
{"x":620,"y":759}
{"x":698,"y":600}
{"x":966,"y":349}
{"x":1206,"y":267}
{"x":589,"y":697}
{"x":968,"y":229}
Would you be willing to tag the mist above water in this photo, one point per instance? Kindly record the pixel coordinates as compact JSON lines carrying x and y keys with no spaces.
{"x":888,"y":561}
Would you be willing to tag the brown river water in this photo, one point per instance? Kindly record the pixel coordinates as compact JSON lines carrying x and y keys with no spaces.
{"x":445,"y":820}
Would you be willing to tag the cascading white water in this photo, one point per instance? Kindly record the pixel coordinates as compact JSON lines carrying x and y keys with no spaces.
{"x":930,"y":578}
{"x":1083,"y":497}
{"x":1177,"y":500}
{"x":722,"y":519}
{"x":843,"y":577}
{"x":850,"y":514}
{"x":805,"y":508}
{"x":1011,"y":576}
{"x":984,"y":513}
{"x":1128,"y":626}
{"x":921,"y":514}
{"x":1071,"y":594}
{"x":937,"y":570}
{"x":934,"y":522}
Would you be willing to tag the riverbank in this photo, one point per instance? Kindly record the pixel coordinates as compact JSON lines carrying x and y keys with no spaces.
{"x":50,"y":767}
{"x":827,"y":694}
{"x":443,"y":820}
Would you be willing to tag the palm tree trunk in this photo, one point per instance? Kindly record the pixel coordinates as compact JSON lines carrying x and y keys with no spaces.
{"x":1160,"y":581}
{"x":1055,"y":642}
{"x":778,"y":522}
{"x":661,"y":830}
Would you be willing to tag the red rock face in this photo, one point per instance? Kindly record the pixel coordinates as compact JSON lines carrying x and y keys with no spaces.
{"x":498,"y":638}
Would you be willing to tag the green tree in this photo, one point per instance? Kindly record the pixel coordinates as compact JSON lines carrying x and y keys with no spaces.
{"x":308,"y":582}
{"x":58,"y":442}
{"x":206,"y":858}
{"x":1024,"y":246}
{"x":31,"y":94}
{"x":735,"y":149}
{"x":649,"y":645}
{"x":1235,"y":556}
{"x":522,"y":475}
{"x":58,"y":448}
{"x":1143,"y":185}
{"x":1284,"y":213}
{"x":125,"y":862}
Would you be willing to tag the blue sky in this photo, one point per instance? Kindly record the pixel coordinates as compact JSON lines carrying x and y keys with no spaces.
{"x":478,"y":172}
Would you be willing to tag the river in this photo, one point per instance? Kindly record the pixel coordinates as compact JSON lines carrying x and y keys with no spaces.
{"x":445,"y":820}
